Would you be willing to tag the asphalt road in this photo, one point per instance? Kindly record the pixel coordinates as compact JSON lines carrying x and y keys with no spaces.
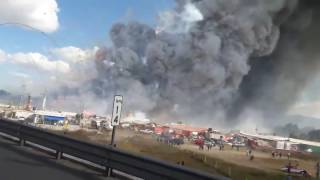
{"x":28,"y":163}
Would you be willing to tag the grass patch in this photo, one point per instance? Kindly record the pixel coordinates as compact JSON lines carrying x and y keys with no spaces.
{"x":149,"y":147}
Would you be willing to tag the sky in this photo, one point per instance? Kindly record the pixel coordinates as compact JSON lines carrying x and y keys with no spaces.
{"x":45,"y":41}
{"x":44,"y":31}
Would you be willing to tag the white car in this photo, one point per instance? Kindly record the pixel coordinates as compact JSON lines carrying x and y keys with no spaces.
{"x":146,"y":131}
{"x":21,"y":118}
{"x":239,"y":144}
{"x":125,"y":125}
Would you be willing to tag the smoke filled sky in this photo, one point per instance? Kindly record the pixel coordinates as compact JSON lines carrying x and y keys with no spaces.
{"x":165,"y":55}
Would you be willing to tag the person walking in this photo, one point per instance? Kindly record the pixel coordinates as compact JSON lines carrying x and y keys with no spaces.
{"x":202,"y":146}
{"x":318,"y":170}
{"x":251,"y":157}
{"x":289,"y":166}
{"x":272,"y":153}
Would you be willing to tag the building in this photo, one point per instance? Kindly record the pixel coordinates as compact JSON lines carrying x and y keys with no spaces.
{"x":19,"y":114}
{"x":185,"y":130}
{"x":137,"y":118}
{"x":158,"y":130}
{"x":283,"y":143}
{"x":47,"y":117}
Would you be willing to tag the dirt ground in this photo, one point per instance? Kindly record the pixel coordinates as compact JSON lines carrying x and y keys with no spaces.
{"x":262,"y":160}
{"x":231,"y":163}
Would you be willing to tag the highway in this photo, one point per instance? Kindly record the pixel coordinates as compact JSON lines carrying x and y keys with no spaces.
{"x":24,"y":163}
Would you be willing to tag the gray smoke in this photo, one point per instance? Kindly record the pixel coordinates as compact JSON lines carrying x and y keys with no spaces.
{"x":194,"y":63}
{"x":276,"y":81}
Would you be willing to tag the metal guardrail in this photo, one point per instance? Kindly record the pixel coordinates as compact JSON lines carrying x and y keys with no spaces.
{"x":106,"y":156}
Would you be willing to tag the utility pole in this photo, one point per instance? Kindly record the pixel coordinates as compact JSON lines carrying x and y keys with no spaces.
{"x":44,"y":101}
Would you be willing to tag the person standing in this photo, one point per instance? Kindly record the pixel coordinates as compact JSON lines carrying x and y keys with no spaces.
{"x":289,"y":155}
{"x":289,"y":166}
{"x":251,"y":157}
{"x":272,"y":153}
{"x":318,"y":170}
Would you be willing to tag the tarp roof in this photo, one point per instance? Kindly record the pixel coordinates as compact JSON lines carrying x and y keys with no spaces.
{"x":54,"y":118}
{"x":186,"y":128}
{"x":279,"y":138}
{"x":300,"y":141}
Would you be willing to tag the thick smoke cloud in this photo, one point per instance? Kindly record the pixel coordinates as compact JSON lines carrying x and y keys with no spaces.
{"x":276,"y":81}
{"x":208,"y":59}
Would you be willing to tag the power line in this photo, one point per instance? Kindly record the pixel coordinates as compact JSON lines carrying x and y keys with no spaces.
{"x":47,"y":36}
{"x":32,"y":28}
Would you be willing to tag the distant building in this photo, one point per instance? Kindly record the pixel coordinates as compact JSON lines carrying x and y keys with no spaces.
{"x":20,"y":114}
{"x":137,"y":118}
{"x":283,"y":143}
{"x":185,"y":130}
{"x":47,"y":117}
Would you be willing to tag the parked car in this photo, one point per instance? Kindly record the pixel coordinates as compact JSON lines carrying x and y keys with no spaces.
{"x":146,"y":131}
{"x":178,"y":141}
{"x":238,"y":144}
{"x":198,"y":141}
{"x":209,"y":142}
{"x":296,"y":170}
{"x":21,"y":118}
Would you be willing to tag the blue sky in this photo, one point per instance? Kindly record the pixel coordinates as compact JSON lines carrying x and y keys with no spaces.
{"x":83,"y":24}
